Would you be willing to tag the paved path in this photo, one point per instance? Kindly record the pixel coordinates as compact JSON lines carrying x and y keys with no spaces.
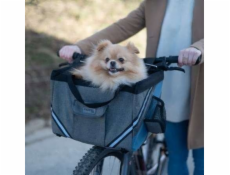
{"x":47,"y":154}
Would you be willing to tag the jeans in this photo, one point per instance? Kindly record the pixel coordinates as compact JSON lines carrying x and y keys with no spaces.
{"x":176,"y":140}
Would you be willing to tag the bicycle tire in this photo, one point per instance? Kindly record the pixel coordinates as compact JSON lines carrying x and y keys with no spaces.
{"x":90,"y":160}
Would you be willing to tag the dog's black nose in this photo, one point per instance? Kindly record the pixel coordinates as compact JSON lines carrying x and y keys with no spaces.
{"x":112,"y":63}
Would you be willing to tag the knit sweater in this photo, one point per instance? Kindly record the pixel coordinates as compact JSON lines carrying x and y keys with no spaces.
{"x":175,"y":36}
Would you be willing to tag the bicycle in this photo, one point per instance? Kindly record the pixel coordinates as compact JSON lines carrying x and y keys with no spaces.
{"x":97,"y":160}
{"x":150,"y":158}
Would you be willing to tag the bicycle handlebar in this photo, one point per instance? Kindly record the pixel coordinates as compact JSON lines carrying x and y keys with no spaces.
{"x":170,"y":59}
{"x":173,"y":59}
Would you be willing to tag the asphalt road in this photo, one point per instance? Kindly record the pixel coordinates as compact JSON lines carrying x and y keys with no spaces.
{"x":47,"y":154}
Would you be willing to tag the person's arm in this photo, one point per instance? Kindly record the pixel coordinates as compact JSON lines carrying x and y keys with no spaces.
{"x":117,"y":32}
{"x":189,"y":55}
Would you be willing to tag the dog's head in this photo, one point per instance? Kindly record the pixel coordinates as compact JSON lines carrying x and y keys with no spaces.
{"x":116,"y":60}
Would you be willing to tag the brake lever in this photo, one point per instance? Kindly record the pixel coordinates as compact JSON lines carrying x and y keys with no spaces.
{"x":175,"y":68}
{"x":164,"y":65}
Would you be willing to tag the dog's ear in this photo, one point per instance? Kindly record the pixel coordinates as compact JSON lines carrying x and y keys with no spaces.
{"x":102,"y":45}
{"x":130,"y":46}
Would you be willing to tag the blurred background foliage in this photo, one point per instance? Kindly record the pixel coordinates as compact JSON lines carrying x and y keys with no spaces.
{"x":51,"y":24}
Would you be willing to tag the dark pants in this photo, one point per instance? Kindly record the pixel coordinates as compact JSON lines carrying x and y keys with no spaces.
{"x":176,"y":139}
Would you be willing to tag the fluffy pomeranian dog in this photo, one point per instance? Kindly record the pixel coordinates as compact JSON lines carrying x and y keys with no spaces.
{"x":112,"y":65}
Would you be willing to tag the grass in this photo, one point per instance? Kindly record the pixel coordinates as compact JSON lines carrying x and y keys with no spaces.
{"x":51,"y":24}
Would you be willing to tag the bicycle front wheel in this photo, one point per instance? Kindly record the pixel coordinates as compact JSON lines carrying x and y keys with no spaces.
{"x":96,"y":162}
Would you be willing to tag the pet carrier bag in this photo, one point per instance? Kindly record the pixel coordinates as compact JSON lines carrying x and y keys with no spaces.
{"x":119,"y":120}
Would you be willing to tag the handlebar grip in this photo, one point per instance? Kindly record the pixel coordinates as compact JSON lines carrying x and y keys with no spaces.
{"x":198,"y":60}
{"x":75,"y":55}
{"x":79,"y":56}
{"x":170,"y":59}
{"x":174,"y":59}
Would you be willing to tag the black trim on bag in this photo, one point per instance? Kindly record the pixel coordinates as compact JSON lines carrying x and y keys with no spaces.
{"x":154,"y":78}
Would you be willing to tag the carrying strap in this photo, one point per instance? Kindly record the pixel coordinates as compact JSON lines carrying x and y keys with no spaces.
{"x":78,"y":97}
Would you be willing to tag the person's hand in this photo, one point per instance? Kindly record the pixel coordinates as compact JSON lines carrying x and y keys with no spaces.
{"x":188,"y":56}
{"x":66,"y":52}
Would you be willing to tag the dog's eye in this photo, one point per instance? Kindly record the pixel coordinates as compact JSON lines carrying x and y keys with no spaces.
{"x":121,"y":60}
{"x":106,"y":60}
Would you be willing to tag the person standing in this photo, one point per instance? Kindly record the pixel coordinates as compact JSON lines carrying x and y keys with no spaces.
{"x":174,"y":27}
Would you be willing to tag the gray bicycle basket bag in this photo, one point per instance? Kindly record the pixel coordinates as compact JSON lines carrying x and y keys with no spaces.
{"x":84,"y":113}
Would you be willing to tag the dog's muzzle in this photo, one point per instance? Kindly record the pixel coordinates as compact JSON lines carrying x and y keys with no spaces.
{"x":115,"y":70}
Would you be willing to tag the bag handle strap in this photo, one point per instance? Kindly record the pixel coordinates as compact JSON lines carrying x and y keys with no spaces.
{"x":77,"y":95}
